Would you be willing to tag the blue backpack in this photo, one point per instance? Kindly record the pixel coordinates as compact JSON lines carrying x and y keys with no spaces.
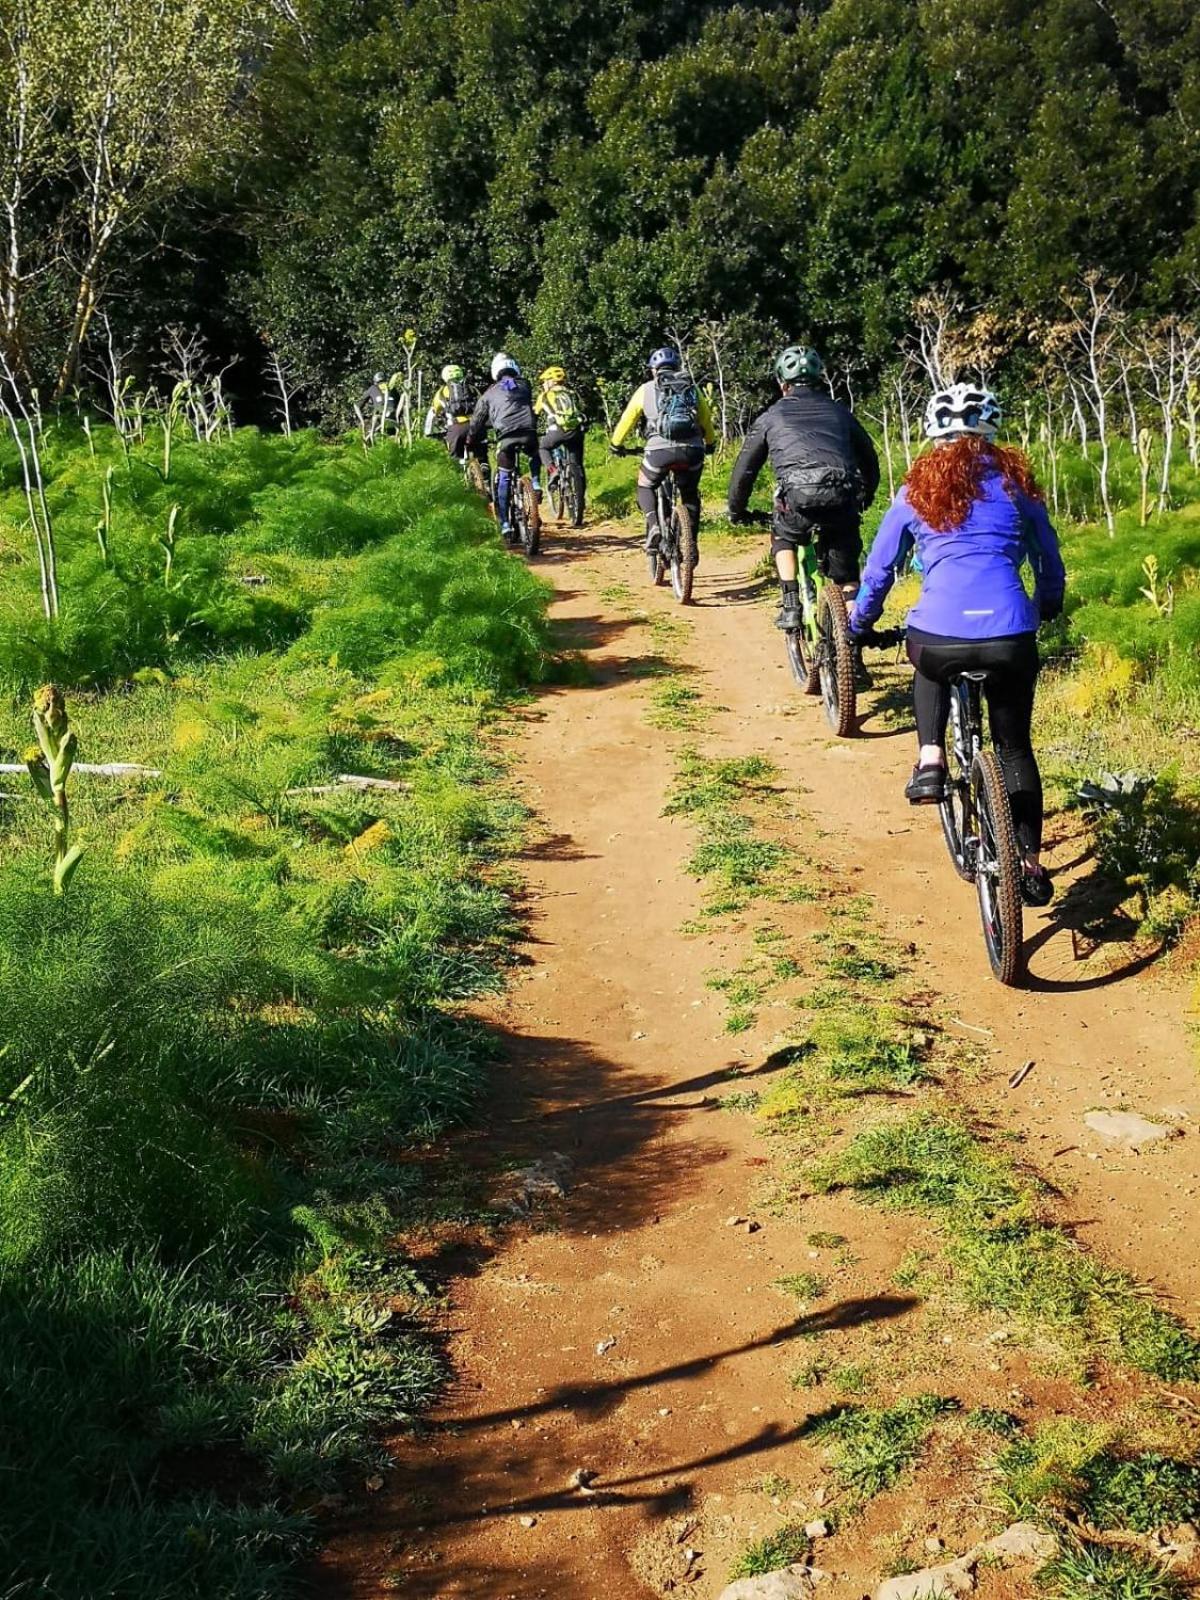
{"x":677,"y":402}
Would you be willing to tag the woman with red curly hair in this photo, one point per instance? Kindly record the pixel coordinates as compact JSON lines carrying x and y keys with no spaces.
{"x":973,"y":512}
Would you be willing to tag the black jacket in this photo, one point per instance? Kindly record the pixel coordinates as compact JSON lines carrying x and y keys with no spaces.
{"x":507,"y":408}
{"x":803,"y":432}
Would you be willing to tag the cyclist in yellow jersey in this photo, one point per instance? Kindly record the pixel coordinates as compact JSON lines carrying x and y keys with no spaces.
{"x":558,"y":410}
{"x":679,"y":433}
{"x":450,"y":413}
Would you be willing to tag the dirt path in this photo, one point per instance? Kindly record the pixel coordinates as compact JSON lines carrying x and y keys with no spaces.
{"x":629,"y":1331}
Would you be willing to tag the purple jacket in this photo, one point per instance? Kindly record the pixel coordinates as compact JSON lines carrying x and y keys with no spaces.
{"x":971,"y":576}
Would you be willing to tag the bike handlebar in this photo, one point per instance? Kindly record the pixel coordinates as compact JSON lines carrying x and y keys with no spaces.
{"x":881,"y":638}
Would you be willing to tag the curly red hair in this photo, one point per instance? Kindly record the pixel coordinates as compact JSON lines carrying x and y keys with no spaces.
{"x":944,"y":483}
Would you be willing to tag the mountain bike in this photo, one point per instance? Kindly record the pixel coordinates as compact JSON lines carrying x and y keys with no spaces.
{"x":524,"y":512}
{"x":820,"y":651}
{"x":677,"y":551}
{"x":977,"y":823}
{"x":564,"y":484}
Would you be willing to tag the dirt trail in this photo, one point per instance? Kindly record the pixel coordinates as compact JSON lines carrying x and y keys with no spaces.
{"x":629,"y":1330}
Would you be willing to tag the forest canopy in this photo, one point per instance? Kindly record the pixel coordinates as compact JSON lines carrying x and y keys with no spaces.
{"x":321,"y":175}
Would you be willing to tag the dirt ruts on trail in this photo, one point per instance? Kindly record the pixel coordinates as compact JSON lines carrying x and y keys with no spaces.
{"x":628,"y":1406}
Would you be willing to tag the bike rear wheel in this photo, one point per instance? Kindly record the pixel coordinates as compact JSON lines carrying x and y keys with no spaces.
{"x":954,"y":810}
{"x":558,"y":499}
{"x":572,"y":480}
{"x":683,"y":553}
{"x":528,"y":517}
{"x":997,"y":870}
{"x":835,"y":661}
{"x":802,"y":659}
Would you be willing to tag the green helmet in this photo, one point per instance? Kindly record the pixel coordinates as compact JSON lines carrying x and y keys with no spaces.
{"x":799,"y":363}
{"x":452,"y":373}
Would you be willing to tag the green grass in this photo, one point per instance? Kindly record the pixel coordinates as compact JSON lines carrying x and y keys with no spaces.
{"x":801,"y":1286}
{"x":1075,"y":1469}
{"x":1087,"y":1571}
{"x":783,"y":1548}
{"x":1004,"y":1256}
{"x":246,"y":1008}
{"x":737,"y":862}
{"x":870,"y":1447}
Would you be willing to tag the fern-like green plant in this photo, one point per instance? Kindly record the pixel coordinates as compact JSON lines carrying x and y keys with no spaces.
{"x":49,"y":764}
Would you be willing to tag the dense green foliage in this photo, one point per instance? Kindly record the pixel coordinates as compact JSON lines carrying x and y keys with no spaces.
{"x":584,"y":181}
{"x":222,"y":1041}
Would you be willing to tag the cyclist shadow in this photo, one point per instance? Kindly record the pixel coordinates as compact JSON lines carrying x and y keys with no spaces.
{"x":883,"y":704}
{"x":1091,"y":913}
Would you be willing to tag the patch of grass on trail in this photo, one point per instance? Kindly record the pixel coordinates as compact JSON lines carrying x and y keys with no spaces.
{"x":226,"y":1045}
{"x":783,"y":1548}
{"x":1072,"y":1468}
{"x":870,"y":1447}
{"x":1087,"y":1571}
{"x":1004,"y":1256}
{"x":738,"y":862}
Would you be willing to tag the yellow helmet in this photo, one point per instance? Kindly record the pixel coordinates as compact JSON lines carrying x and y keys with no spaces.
{"x":553,"y":375}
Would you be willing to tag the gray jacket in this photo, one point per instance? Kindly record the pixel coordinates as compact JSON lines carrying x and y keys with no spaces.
{"x":507,"y":408}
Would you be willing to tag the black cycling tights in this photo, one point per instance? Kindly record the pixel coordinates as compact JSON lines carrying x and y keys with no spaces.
{"x":1011,"y":664}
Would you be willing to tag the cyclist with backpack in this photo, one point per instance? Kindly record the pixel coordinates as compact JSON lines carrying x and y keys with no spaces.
{"x":556,"y":405}
{"x":450,"y":413}
{"x":507,"y":408}
{"x":973,"y":512}
{"x":679,"y":433}
{"x":826,"y":473}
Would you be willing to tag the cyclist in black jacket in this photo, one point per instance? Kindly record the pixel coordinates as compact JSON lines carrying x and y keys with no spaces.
{"x":507,"y":408}
{"x":826,"y":472}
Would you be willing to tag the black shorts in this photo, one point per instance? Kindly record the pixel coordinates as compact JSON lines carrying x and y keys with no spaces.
{"x":685,"y":460}
{"x":459,"y":445}
{"x":837,"y":536}
{"x":509,"y":451}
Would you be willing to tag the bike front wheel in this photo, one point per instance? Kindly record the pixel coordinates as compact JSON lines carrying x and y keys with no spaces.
{"x":477,"y":479}
{"x":683,"y":553}
{"x":997,"y":870}
{"x":954,"y":810}
{"x":835,"y":661}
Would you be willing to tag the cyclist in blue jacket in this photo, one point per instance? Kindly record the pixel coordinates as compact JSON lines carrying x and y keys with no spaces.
{"x":972,"y":511}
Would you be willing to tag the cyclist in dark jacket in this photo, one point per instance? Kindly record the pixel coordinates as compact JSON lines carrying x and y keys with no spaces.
{"x":826,"y":472}
{"x":507,"y":408}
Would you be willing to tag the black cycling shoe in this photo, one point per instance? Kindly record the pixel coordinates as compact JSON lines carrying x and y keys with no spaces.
{"x":862,"y":678}
{"x":926,"y":787}
{"x":1037,"y":886}
{"x":791,"y":616}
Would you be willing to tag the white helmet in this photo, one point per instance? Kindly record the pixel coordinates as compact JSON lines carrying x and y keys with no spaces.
{"x":502,"y":364}
{"x":963,"y":408}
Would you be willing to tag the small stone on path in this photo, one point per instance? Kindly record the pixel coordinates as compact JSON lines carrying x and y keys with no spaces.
{"x":529,"y":1522}
{"x":1127,"y":1127}
{"x":819,"y":1529}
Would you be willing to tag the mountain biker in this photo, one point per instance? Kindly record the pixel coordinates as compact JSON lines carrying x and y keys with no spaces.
{"x":826,"y":472}
{"x":973,"y":511}
{"x":679,"y":432}
{"x":507,"y":408}
{"x":377,"y":401}
{"x":450,"y":413}
{"x":563,"y":416}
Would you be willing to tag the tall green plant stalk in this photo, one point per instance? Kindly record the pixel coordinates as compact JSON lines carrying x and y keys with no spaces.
{"x":50,"y":766}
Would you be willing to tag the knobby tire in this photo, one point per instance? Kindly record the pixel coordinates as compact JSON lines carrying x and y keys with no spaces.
{"x":997,"y":870}
{"x":836,"y":661}
{"x":683,"y":559}
{"x":573,"y":494}
{"x":531,"y":520}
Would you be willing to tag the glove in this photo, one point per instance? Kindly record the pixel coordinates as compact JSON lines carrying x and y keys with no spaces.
{"x":1049,"y":609}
